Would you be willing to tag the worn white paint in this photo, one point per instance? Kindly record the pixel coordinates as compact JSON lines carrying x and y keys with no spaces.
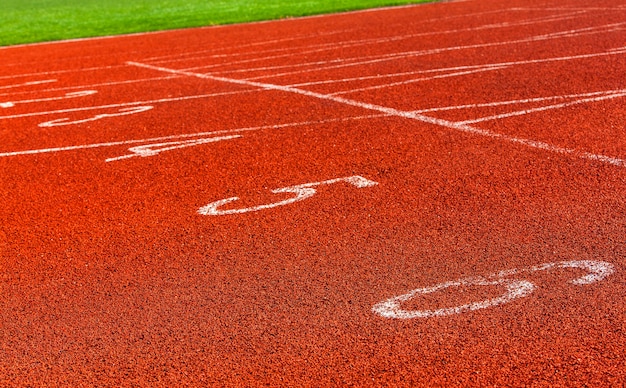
{"x":399,"y":113}
{"x":162,"y":139}
{"x":82,"y":93}
{"x":156,"y":148}
{"x":459,"y":69}
{"x":120,"y":112}
{"x":617,"y":94}
{"x":368,"y":60}
{"x":100,"y":84}
{"x":315,"y":48}
{"x":392,"y":308}
{"x":124,"y":104}
{"x":46,"y":81}
{"x":301,"y":192}
{"x":515,"y":288}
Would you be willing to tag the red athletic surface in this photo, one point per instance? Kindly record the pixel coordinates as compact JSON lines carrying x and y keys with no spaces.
{"x":109,"y":276}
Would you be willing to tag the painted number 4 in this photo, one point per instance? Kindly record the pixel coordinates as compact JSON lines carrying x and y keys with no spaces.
{"x":301,"y":192}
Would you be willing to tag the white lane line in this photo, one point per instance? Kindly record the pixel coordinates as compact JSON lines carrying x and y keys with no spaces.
{"x":618,"y":94}
{"x":399,"y":113}
{"x":45,"y":73}
{"x":616,"y":51}
{"x":176,"y":57}
{"x":46,"y":81}
{"x":518,"y":102}
{"x":125,"y":104}
{"x":159,"y":140}
{"x":610,"y":9}
{"x":114,"y":83}
{"x":156,"y":148}
{"x":82,"y":93}
{"x":120,"y":112}
{"x":371,"y":41}
{"x":368,"y":60}
{"x":237,"y":49}
{"x":423,"y":79}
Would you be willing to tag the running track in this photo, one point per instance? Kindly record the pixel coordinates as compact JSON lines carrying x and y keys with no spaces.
{"x":425,"y":195}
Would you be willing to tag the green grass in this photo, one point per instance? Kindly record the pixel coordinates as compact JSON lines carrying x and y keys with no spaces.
{"x":27,"y":21}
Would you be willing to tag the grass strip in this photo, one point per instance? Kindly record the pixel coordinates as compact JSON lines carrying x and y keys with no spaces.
{"x":29,"y":21}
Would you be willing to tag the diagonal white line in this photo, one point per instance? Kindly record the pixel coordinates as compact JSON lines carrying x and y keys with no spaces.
{"x":47,"y":81}
{"x":399,"y":113}
{"x":132,"y":81}
{"x":182,"y":136}
{"x":616,"y":51}
{"x":13,"y":76}
{"x":299,"y":51}
{"x":423,"y":79}
{"x":365,"y":60}
{"x":620,"y":93}
{"x":124,"y":104}
{"x":518,"y":102}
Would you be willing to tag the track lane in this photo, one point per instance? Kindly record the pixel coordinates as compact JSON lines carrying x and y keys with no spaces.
{"x":110,"y":276}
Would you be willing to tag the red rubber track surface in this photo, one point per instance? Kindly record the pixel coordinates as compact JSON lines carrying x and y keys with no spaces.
{"x":489,"y":136}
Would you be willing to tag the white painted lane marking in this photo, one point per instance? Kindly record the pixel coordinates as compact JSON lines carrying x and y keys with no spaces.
{"x":182,"y":136}
{"x":367,"y":60}
{"x":82,"y":93}
{"x":240,"y":52}
{"x":125,"y":104}
{"x":93,"y":85}
{"x":434,"y":77}
{"x":405,"y":114}
{"x":193,"y":55}
{"x":371,"y":10}
{"x":369,"y":42}
{"x":156,"y":148}
{"x":121,"y":112}
{"x":610,"y":9}
{"x":617,"y":51}
{"x":301,"y":192}
{"x":59,"y":71}
{"x":47,"y":81}
{"x":520,"y":101}
{"x":392,"y":308}
{"x":619,"y":94}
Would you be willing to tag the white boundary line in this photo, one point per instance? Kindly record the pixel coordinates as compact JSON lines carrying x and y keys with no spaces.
{"x":91,"y":85}
{"x":181,"y":136}
{"x":615,"y":94}
{"x":521,"y":101}
{"x":83,"y":93}
{"x":399,"y":113}
{"x":495,"y":66}
{"x":302,"y":50}
{"x":126,"y":104}
{"x":13,"y":76}
{"x":173,"y":56}
{"x":46,"y":81}
{"x":366,"y":60}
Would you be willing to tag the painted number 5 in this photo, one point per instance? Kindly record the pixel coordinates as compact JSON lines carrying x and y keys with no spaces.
{"x":301,"y":192}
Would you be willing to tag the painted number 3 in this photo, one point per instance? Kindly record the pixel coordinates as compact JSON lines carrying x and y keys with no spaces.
{"x":515,"y":288}
{"x":301,"y":192}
